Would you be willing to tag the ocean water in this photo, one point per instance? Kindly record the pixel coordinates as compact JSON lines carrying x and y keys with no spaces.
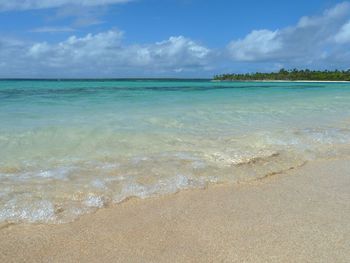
{"x":70,"y":147}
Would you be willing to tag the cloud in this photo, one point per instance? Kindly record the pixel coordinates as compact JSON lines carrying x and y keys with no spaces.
{"x":314,"y":40}
{"x":75,"y":48}
{"x":8,"y":5}
{"x":257,"y":45}
{"x":105,"y":54}
{"x":50,"y":29}
{"x":83,"y":16}
{"x":343,"y":36}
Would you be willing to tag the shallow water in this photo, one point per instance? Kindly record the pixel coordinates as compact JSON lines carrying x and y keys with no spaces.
{"x":70,"y":147}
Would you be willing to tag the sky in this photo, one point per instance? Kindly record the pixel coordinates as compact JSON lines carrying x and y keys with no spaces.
{"x":170,"y":38}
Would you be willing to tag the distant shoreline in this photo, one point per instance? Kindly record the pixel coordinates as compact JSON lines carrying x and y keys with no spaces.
{"x":311,"y":81}
{"x":295,"y":75}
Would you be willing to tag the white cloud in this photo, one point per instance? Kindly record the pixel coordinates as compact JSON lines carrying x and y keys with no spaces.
{"x":321,"y":41}
{"x":312,"y":41}
{"x":77,"y":50}
{"x":104,"y":54}
{"x":256,"y":45}
{"x":6,"y":5}
{"x":343,"y":36}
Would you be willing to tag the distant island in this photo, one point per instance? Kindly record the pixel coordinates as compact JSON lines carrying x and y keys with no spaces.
{"x":289,"y":75}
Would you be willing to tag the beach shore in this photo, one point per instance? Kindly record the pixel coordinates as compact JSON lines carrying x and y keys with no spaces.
{"x":300,"y":216}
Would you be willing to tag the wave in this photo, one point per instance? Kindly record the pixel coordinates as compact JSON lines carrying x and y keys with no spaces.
{"x":63,"y":193}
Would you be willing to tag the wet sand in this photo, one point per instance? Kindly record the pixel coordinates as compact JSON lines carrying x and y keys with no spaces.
{"x":300,"y":216}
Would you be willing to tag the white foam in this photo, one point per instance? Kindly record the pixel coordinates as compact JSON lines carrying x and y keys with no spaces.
{"x":36,"y":211}
{"x":94,"y":201}
{"x":165,"y":186}
{"x":80,"y":186}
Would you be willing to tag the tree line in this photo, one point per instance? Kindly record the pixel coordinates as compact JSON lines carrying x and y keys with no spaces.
{"x":294,"y":74}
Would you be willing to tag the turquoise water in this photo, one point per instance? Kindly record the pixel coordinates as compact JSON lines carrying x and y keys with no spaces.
{"x":70,"y":147}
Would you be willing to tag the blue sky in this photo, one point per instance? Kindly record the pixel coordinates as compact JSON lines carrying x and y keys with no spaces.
{"x":170,"y":38}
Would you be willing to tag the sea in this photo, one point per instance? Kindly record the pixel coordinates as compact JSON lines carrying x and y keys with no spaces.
{"x":70,"y":147}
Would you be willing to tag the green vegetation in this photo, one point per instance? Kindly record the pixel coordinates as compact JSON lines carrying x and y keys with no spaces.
{"x":294,"y":74}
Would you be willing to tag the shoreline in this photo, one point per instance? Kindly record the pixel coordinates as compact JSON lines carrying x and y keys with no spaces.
{"x":301,"y":215}
{"x":283,"y":81}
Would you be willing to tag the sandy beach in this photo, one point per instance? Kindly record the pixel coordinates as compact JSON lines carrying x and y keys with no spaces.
{"x":300,"y":216}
